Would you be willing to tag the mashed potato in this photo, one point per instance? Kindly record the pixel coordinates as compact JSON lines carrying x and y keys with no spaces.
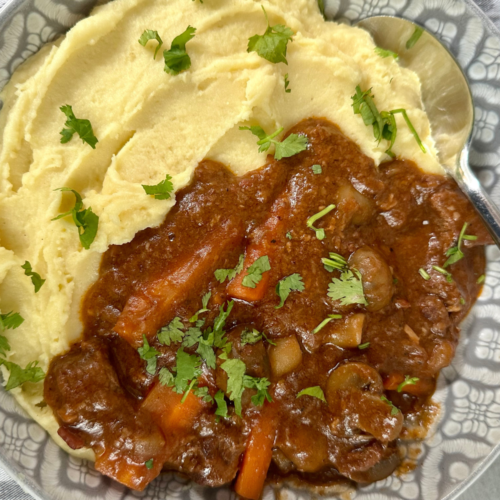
{"x":150,"y":123}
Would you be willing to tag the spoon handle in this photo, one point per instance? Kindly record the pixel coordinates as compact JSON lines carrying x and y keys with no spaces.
{"x":472,"y":188}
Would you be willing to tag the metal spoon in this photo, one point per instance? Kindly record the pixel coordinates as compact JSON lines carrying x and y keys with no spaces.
{"x":447,"y":99}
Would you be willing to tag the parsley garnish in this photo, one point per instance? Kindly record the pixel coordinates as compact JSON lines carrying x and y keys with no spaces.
{"x":149,"y":464}
{"x":335,"y":261}
{"x":326,"y":321}
{"x":348,"y":289}
{"x":407,"y":381}
{"x":260,"y":385}
{"x":187,"y":371}
{"x":394,"y":409}
{"x":221,"y":404}
{"x":222,"y":275}
{"x":148,"y":354}
{"x":292,"y":145}
{"x":287,"y":285}
{"x":385,"y":53}
{"x":85,"y":220}
{"x":18,"y":376}
{"x":444,"y":272}
{"x":204,"y":303}
{"x":320,"y":233}
{"x":289,"y":235}
{"x":8,"y":321}
{"x":172,"y":332}
{"x":203,"y":394}
{"x":414,"y":38}
{"x":317,"y":169}
{"x":253,"y":336}
{"x":455,"y":254}
{"x":315,"y":392}
{"x":177,"y":59}
{"x":255,"y":271}
{"x":481,"y":279}
{"x":148,"y":35}
{"x":364,"y":346}
{"x":82,"y":127}
{"x":287,"y":83}
{"x":166,"y":377}
{"x":272,"y":44}
{"x":424,"y":274}
{"x":160,"y":191}
{"x":35,"y":277}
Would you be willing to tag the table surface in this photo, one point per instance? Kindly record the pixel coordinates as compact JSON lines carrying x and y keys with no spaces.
{"x":487,"y":487}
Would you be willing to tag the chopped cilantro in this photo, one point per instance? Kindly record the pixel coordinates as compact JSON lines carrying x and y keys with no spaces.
{"x":407,"y":381}
{"x":205,"y":348}
{"x":222,"y":275}
{"x":410,"y":126}
{"x":289,"y":235}
{"x":287,"y":285}
{"x":414,"y":38}
{"x":462,"y":301}
{"x":177,"y":59}
{"x":166,"y":377}
{"x":292,"y":145}
{"x":326,"y":321}
{"x":385,"y":53}
{"x":160,"y":191}
{"x":172,"y":332}
{"x":364,"y":346}
{"x":255,"y":272}
{"x":481,"y":279}
{"x":253,"y":336}
{"x":82,"y":127}
{"x":149,"y":463}
{"x":315,"y":392}
{"x":348,"y":289}
{"x":455,"y":254}
{"x":444,"y":272}
{"x":187,"y":370}
{"x":148,"y":35}
{"x":18,"y":376}
{"x":287,"y":83}
{"x":221,"y":404}
{"x":235,"y":369}
{"x":317,"y":169}
{"x":148,"y":354}
{"x":85,"y":220}
{"x":204,"y":303}
{"x":35,"y":277}
{"x":203,"y":394}
{"x":394,"y":409}
{"x":193,"y":335}
{"x":320,"y":233}
{"x":424,"y":274}
{"x":8,"y":321}
{"x":335,"y":261}
{"x":273,"y":43}
{"x":260,"y":385}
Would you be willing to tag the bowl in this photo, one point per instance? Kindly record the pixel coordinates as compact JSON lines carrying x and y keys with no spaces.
{"x":467,"y":437}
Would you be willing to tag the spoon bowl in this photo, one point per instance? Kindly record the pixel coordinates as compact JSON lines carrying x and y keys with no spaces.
{"x":447,"y":100}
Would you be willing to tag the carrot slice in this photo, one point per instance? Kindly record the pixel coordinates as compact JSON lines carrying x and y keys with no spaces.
{"x":392,"y":381}
{"x":257,"y":457}
{"x":419,"y":388}
{"x":155,"y":301}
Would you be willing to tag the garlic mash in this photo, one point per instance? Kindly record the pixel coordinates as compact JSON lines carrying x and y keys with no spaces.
{"x":150,"y":123}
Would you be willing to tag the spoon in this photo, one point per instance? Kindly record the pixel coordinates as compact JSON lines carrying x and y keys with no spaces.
{"x":447,"y":100}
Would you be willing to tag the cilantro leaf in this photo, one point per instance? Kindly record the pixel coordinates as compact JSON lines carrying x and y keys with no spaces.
{"x":187,"y":369}
{"x":177,"y":59}
{"x":160,"y":191}
{"x":362,"y":103}
{"x":235,"y":369}
{"x":407,"y":381}
{"x":385,"y":53}
{"x":11,"y":320}
{"x":250,"y":336}
{"x":287,"y":83}
{"x":255,"y":272}
{"x":394,"y":409}
{"x":315,"y":392}
{"x":166,"y":377}
{"x":414,"y":38}
{"x":18,"y":376}
{"x":222,"y":274}
{"x":148,"y":354}
{"x":35,"y":277}
{"x":193,"y":335}
{"x":287,"y":285}
{"x":320,"y":233}
{"x":289,"y":235}
{"x":85,"y":220}
{"x":220,"y":322}
{"x":148,"y":35}
{"x":348,"y":289}
{"x":82,"y":127}
{"x":260,"y":385}
{"x":203,"y":394}
{"x":172,"y":332}
{"x":205,"y":349}
{"x":273,"y":43}
{"x":204,"y":303}
{"x":149,"y":463}
{"x":317,"y":169}
{"x":221,"y":404}
{"x":455,"y":254}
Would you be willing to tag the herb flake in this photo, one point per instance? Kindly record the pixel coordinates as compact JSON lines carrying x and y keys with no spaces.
{"x":148,"y":35}
{"x":348,"y":289}
{"x":177,"y":58}
{"x":160,"y":191}
{"x":35,"y":277}
{"x":315,"y":392}
{"x":286,"y":285}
